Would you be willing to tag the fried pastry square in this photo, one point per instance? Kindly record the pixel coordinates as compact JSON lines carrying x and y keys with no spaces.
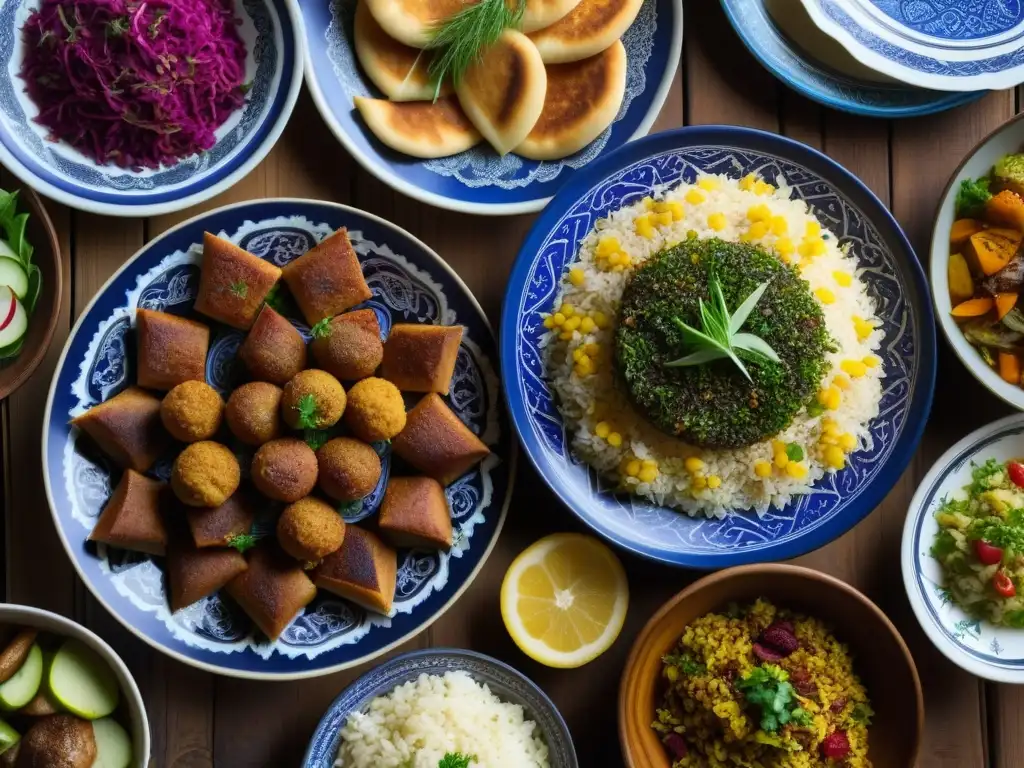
{"x":172,"y":349}
{"x":414,"y":513}
{"x":327,"y":279}
{"x":127,"y":428}
{"x":437,"y":443}
{"x":216,"y":526}
{"x":195,"y":573}
{"x":233,"y":283}
{"x":363,"y":571}
{"x":131,"y":519}
{"x":273,"y":589}
{"x":421,"y":358}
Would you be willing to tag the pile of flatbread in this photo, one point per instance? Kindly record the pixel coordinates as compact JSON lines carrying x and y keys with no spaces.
{"x":544,"y":92}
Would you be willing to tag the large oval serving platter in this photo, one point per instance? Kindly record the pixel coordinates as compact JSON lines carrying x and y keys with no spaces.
{"x":894,"y":278}
{"x":270,"y":30}
{"x":410,"y":283}
{"x":479,"y":181}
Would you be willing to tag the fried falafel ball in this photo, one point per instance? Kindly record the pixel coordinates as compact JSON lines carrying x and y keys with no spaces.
{"x":284,"y":469}
{"x":375,"y":410}
{"x":192,"y":411}
{"x":350,"y":346}
{"x":310,"y":529}
{"x":349,"y":469}
{"x":313,"y":399}
{"x":205,"y":474}
{"x":253,"y":413}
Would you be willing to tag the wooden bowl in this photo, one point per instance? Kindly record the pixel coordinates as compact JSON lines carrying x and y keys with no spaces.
{"x":881,"y":658}
{"x":43,"y":237}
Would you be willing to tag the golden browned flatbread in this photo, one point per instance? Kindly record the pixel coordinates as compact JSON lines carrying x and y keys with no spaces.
{"x":399,"y":70}
{"x":419,"y":128}
{"x":544,"y":13}
{"x":582,"y":99}
{"x":412,"y":21}
{"x":503,"y":92}
{"x":586,"y":30}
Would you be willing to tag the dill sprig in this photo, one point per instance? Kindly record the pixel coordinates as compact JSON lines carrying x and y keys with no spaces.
{"x":462,"y":38}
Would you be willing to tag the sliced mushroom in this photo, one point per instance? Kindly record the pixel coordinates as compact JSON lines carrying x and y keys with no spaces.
{"x":14,"y":655}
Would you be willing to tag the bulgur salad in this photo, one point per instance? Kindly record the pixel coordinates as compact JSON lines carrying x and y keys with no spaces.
{"x":763,"y":687}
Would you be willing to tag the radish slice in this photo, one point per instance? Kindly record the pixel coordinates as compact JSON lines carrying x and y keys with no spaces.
{"x":13,"y":319}
{"x":13,"y":275}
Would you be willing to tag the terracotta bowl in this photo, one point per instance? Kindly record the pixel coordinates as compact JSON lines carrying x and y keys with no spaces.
{"x":43,"y":237}
{"x":881,"y":658}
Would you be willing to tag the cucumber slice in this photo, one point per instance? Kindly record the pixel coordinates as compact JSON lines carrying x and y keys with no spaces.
{"x":7,"y":252}
{"x":82,"y":682}
{"x":13,"y":318}
{"x":13,"y":275}
{"x":113,"y":744}
{"x":8,"y":737}
{"x":22,"y":687}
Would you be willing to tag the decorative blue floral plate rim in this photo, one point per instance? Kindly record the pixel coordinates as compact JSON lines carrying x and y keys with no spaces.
{"x":508,"y":683}
{"x":893,"y":276}
{"x":271,"y":30}
{"x":478,"y":181}
{"x":410,"y":283}
{"x":818,"y":82}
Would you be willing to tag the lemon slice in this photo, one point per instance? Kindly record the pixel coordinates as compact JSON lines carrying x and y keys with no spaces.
{"x":564,"y":599}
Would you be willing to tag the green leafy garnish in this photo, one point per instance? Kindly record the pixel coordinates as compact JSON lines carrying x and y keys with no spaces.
{"x":322,"y":329}
{"x":972,"y":196}
{"x":944,"y":545}
{"x":686,"y":663}
{"x":315,"y":438}
{"x":243,"y":542}
{"x":239,"y":289}
{"x":463,"y":37}
{"x":862,"y":713}
{"x":768,"y":688}
{"x":814,"y":408}
{"x":721,"y":336}
{"x":455,"y":760}
{"x":349,"y":508}
{"x":980,"y":475}
{"x":72,"y":30}
{"x":245,"y":87}
{"x":794,"y":452}
{"x":801,"y":716}
{"x":117,"y":26}
{"x":275,"y":299}
{"x":13,"y":225}
{"x":309,"y":412}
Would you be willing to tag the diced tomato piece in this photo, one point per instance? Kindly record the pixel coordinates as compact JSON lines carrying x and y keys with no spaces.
{"x":986,"y":553}
{"x":1016,"y":472}
{"x":1003,"y":584}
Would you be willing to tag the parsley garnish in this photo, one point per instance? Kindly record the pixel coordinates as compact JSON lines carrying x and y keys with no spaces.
{"x":944,"y":545}
{"x":794,"y":452}
{"x":980,"y":476}
{"x":686,"y":663}
{"x":862,"y":713}
{"x":322,"y":329}
{"x":239,"y":288}
{"x":117,"y":26}
{"x":972,"y":196}
{"x":315,"y":438}
{"x":767,"y":687}
{"x":455,"y":760}
{"x":243,"y":542}
{"x":309,"y":412}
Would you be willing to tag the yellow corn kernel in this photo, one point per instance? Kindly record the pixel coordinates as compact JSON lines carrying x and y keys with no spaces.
{"x":663,"y":219}
{"x":567,"y":309}
{"x":763,"y":187}
{"x":693,"y":465}
{"x":717,"y":221}
{"x":781,"y":459}
{"x":649,"y":203}
{"x":602,"y":429}
{"x":614,"y":258}
{"x":584,"y":367}
{"x":699,"y":482}
{"x":714,"y":481}
{"x":760,"y":212}
{"x":758,"y":230}
{"x":572,"y":323}
{"x":587,"y":325}
{"x":592,"y":348}
{"x":648,"y":475}
{"x":784,"y":246}
{"x":600,"y":320}
{"x":695,"y":197}
{"x":549,"y":322}
{"x":576,"y":276}
{"x":747,"y":182}
{"x":676,"y":209}
{"x":779,"y":226}
{"x":644,"y":227}
{"x":872,"y":361}
{"x":862,"y":327}
{"x":825,"y":296}
{"x":565,"y":335}
{"x":607,"y":245}
{"x":633,"y":468}
{"x":813,"y":229}
{"x":577,"y":354}
{"x":847,"y":442}
{"x":835,"y":457}
{"x":558,"y":318}
{"x":618,"y":268}
{"x":614,"y":439}
{"x":649,"y":463}
{"x":818,"y":247}
{"x":805,"y":249}
{"x":778,"y":446}
{"x":843,"y":279}
{"x":762,"y":469}
{"x":796,"y":470}
{"x":830,"y":397}
{"x":710,"y":183}
{"x":841,"y":381}
{"x":625,"y":259}
{"x":854,"y":367}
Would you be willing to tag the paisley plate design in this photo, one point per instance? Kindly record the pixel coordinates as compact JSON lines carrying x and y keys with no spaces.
{"x":982,"y":648}
{"x":778,"y":54}
{"x":894,"y":279}
{"x":410,"y":284}
{"x":273,"y":42}
{"x":505,"y":682}
{"x":948,"y":45}
{"x":478,"y":181}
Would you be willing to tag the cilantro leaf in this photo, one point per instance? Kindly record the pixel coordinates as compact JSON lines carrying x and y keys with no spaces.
{"x":309,"y":412}
{"x":802,"y":717}
{"x":243,"y":542}
{"x":239,"y":289}
{"x":768,"y":688}
{"x":862,"y":713}
{"x":686,"y":663}
{"x":315,"y":438}
{"x":944,"y":545}
{"x":322,"y":329}
{"x":971,"y":197}
{"x":455,"y":760}
{"x":794,"y":452}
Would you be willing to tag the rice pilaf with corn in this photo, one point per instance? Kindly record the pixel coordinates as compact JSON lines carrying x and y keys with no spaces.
{"x":762,"y":687}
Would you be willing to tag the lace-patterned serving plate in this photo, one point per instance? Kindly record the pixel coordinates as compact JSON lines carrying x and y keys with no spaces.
{"x":410,"y":283}
{"x":479,"y":181}
{"x":271,"y":30}
{"x":894,"y":279}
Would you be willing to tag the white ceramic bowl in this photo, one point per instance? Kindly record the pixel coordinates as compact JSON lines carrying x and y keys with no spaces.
{"x":981,"y":648}
{"x":131,"y":699}
{"x":1006,"y":139}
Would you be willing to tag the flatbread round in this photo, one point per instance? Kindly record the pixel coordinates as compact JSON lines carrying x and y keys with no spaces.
{"x":583,"y":98}
{"x":503,"y":91}
{"x":586,"y":30}
{"x":544,"y":13}
{"x":412,"y":21}
{"x":419,"y":128}
{"x":399,"y":70}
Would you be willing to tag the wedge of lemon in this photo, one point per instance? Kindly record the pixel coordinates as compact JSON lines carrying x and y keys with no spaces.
{"x":564,"y":599}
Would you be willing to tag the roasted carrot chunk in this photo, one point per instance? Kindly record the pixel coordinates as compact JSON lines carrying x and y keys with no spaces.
{"x":974,"y":307}
{"x":1005,"y":209}
{"x":1004,"y":303}
{"x":963,"y":229}
{"x":1009,"y":367}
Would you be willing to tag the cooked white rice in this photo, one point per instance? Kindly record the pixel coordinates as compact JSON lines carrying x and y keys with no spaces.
{"x":593,"y":405}
{"x":420,"y":721}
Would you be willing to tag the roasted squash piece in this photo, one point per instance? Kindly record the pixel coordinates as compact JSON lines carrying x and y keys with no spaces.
{"x":1009,"y":367}
{"x":963,"y":229}
{"x":1005,"y":209}
{"x":973,"y":307}
{"x":961,"y":284}
{"x":1004,"y":303}
{"x":991,"y":249}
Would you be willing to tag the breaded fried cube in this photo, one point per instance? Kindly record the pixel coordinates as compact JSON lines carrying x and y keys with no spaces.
{"x":327,"y":279}
{"x":131,"y":519}
{"x":273,"y":590}
{"x":437,"y":443}
{"x":233,"y":283}
{"x":273,"y":350}
{"x":172,"y":349}
{"x":195,"y":573}
{"x":363,"y":571}
{"x":349,"y":347}
{"x":216,"y":526}
{"x":421,"y":358}
{"x":127,"y":428}
{"x":414,"y":513}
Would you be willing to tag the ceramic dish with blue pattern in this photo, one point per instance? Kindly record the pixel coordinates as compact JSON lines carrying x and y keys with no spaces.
{"x":479,"y":181}
{"x":887,"y":265}
{"x":982,"y":648}
{"x":508,"y":684}
{"x":855,"y":89}
{"x":270,"y":30}
{"x":410,"y":283}
{"x":946,"y":45}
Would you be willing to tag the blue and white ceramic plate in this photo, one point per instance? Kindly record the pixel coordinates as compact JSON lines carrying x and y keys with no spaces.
{"x":798,"y":69}
{"x":271,"y":32}
{"x":410,"y":283}
{"x":894,"y":279}
{"x":478,"y":181}
{"x":947,"y":45}
{"x":983,"y":649}
{"x":506,"y":683}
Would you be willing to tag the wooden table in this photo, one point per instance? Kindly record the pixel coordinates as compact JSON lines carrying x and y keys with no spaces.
{"x":199,"y":719}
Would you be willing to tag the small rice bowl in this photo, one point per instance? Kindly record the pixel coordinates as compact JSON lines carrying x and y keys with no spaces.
{"x":613,"y":437}
{"x":421,"y":721}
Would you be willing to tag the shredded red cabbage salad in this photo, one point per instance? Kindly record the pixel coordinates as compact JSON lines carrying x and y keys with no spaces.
{"x":138,"y":83}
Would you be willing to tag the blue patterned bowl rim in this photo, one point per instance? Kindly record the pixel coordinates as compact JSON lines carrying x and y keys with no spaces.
{"x":382,"y":679}
{"x":487,"y":202}
{"x":825,"y":86}
{"x":236,"y":166}
{"x":753,"y":141}
{"x":286,"y":670}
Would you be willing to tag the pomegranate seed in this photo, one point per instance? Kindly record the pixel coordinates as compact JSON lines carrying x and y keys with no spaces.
{"x":988,"y":554}
{"x":764,"y":653}
{"x":779,"y":636}
{"x":1016,"y":472}
{"x":835,"y":746}
{"x":676,"y":745}
{"x":1003,"y":584}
